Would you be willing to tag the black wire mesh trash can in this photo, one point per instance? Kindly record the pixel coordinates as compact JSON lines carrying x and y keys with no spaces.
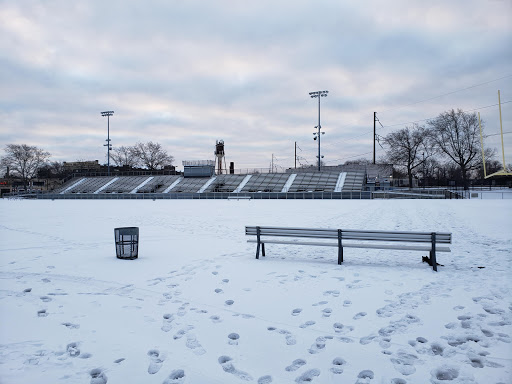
{"x":127,"y":242}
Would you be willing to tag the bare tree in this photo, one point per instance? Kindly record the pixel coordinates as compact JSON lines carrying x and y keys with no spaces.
{"x":408,"y":148}
{"x":456,"y":134}
{"x":152,"y":155}
{"x":24,"y":160}
{"x":124,"y":156}
{"x":360,"y":161}
{"x":55,"y":169}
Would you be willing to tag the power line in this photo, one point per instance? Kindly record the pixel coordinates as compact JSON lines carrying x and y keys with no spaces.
{"x":446,"y":94}
{"x":349,"y":157}
{"x":430,"y":118}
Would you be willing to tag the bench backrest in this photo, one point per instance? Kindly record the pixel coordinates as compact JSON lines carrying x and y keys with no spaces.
{"x":351,"y":234}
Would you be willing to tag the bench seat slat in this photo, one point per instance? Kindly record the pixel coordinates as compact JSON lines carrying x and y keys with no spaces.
{"x":253,"y":228}
{"x":348,"y":236}
{"x":351,"y":234}
{"x":353,"y":245}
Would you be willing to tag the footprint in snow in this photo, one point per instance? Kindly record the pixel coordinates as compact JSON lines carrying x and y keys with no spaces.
{"x":296,"y":364}
{"x":359,"y":315}
{"x":176,"y":377}
{"x":347,"y":303}
{"x":167,"y":322}
{"x":265,"y":379}
{"x":98,"y":376}
{"x":229,"y":302}
{"x":444,"y":373}
{"x":225,"y":280}
{"x":338,"y":364}
{"x":290,"y":339}
{"x":308,"y":323}
{"x":326,"y":312}
{"x":45,"y":299}
{"x":194,"y":345}
{"x":155,"y":361}
{"x":45,"y":280}
{"x":296,"y":311}
{"x":42,"y":313}
{"x":226,"y":363}
{"x":365,"y":377}
{"x":334,"y":293}
{"x":319,"y":344}
{"x":385,"y":342}
{"x":27,"y":290}
{"x":73,"y":350}
{"x":308,"y":376}
{"x":71,"y":325}
{"x":218,"y":290}
{"x":233,"y":338}
{"x":340,"y":328}
{"x":320,"y":303}
{"x":403,"y":362}
{"x":182,"y":332}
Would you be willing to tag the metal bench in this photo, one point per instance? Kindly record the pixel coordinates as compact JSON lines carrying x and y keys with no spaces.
{"x":399,"y":240}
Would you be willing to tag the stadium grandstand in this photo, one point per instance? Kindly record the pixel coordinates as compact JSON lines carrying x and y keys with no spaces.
{"x":290,"y":185}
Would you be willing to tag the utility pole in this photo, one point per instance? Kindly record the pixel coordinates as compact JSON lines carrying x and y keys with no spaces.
{"x":313,"y":95}
{"x":295,"y":155}
{"x":108,"y":145}
{"x":423,"y":154}
{"x":374,"y":134}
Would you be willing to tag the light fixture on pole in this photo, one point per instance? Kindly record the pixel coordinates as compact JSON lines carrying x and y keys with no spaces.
{"x":108,"y":145}
{"x":317,"y":134}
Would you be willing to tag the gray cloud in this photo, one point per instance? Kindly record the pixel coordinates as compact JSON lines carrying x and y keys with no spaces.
{"x":187,"y":73}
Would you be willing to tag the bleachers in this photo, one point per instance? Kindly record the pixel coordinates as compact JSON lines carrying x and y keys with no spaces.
{"x":68,"y":185}
{"x":300,"y":182}
{"x":354,"y":182}
{"x":314,"y":182}
{"x":158,"y":184}
{"x":91,"y":184}
{"x":190,"y":185}
{"x":225,"y":183}
{"x":270,"y":182}
{"x":125,"y":184}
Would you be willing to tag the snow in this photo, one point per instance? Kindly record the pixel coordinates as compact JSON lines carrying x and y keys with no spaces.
{"x":197,"y":307}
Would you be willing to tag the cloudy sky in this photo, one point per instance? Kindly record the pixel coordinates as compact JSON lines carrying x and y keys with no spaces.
{"x":187,"y":73}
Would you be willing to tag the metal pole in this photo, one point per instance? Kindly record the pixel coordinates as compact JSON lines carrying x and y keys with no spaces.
{"x":501,"y":129}
{"x":295,"y":155}
{"x":319,"y":127}
{"x":374,"y":134}
{"x":108,"y":114}
{"x":108,"y":145}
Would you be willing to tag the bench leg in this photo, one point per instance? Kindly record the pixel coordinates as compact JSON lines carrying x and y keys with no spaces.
{"x":433,"y":252}
{"x":263,"y":249}
{"x":258,"y":246}
{"x":340,"y":248}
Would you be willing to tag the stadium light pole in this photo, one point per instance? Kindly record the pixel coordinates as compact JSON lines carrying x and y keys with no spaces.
{"x":109,"y":147}
{"x":313,"y":95}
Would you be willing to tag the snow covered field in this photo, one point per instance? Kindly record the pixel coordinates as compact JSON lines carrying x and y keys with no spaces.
{"x":196,"y":307}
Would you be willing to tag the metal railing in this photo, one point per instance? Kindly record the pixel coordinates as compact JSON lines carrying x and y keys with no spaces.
{"x":209,"y":196}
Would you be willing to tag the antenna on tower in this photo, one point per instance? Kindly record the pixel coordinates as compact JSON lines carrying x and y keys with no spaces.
{"x":219,"y":154}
